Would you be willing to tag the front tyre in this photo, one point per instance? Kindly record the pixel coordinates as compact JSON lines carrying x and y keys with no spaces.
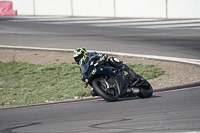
{"x":99,"y":88}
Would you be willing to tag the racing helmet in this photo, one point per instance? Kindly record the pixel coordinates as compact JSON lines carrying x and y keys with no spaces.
{"x":78,"y":54}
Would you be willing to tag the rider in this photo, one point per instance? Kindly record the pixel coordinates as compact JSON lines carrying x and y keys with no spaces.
{"x":80,"y":54}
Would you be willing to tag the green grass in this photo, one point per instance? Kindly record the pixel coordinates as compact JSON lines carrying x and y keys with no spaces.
{"x":147,"y":71}
{"x":25,"y":84}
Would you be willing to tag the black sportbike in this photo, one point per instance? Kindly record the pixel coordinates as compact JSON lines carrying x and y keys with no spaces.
{"x":111,"y":83}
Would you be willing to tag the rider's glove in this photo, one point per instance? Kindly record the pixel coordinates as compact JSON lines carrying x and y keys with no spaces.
{"x":84,"y":78}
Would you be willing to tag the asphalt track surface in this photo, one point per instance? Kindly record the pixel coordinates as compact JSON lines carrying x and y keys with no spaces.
{"x":171,"y":42}
{"x":171,"y":111}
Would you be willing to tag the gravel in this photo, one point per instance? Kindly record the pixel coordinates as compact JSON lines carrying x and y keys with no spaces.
{"x":176,"y":73}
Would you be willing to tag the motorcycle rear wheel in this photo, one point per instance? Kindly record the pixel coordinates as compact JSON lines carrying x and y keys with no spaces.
{"x":145,"y":91}
{"x":96,"y":84}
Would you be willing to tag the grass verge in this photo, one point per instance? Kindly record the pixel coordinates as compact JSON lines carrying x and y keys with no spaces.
{"x":25,"y":84}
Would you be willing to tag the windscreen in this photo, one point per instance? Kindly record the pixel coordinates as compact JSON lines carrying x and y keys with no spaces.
{"x":85,"y":64}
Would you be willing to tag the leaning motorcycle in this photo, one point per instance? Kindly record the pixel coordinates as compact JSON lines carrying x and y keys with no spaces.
{"x":111,"y":83}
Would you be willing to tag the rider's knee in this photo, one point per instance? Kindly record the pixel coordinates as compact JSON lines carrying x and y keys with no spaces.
{"x":114,"y":62}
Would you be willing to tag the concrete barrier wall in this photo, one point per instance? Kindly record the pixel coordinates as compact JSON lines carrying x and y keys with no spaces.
{"x":172,"y":9}
{"x":141,"y":8}
{"x":99,"y":8}
{"x":183,"y":9}
{"x":53,"y":7}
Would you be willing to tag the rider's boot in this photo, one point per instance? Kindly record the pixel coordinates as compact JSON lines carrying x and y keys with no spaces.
{"x":130,"y":72}
{"x":119,"y":64}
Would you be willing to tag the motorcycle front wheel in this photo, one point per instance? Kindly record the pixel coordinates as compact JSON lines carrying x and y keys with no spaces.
{"x":99,"y":88}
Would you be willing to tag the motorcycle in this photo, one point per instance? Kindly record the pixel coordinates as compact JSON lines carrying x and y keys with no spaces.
{"x":112,"y":83}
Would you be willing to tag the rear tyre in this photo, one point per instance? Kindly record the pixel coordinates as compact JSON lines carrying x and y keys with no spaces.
{"x":99,"y":88}
{"x":145,"y":91}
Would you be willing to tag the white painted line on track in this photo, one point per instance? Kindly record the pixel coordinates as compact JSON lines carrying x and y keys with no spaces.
{"x":185,"y":60}
{"x":111,"y":22}
{"x":35,"y":19}
{"x":188,"y":132}
{"x":170,"y":26}
{"x":155,"y":21}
